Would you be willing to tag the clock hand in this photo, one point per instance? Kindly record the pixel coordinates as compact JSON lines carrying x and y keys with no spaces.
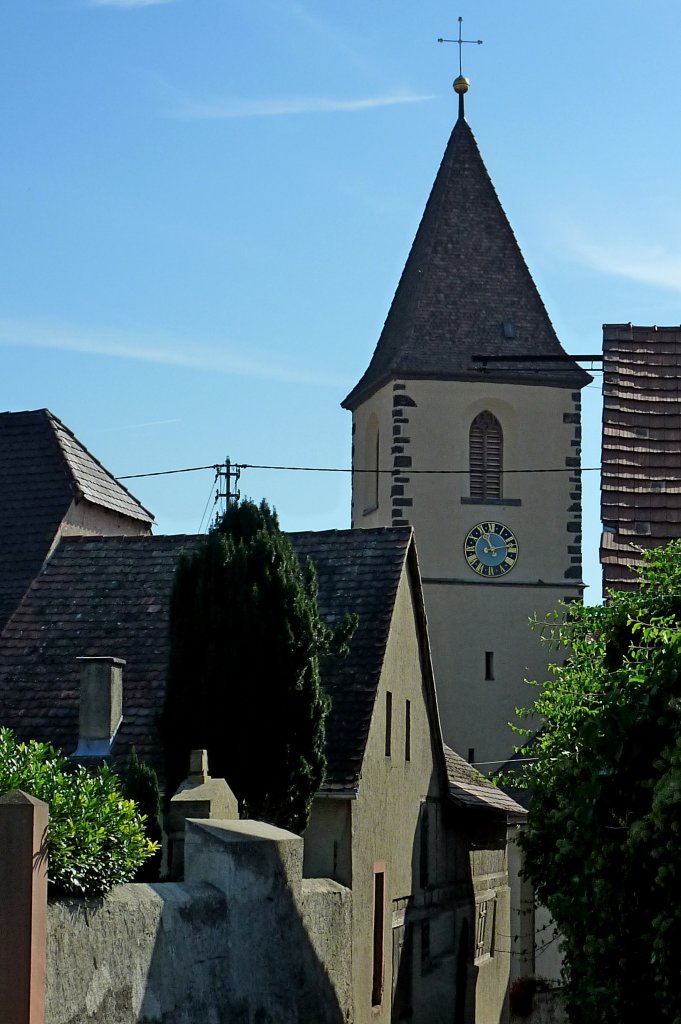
{"x":492,"y":547}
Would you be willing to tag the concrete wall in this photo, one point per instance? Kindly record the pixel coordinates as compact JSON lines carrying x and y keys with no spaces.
{"x":243,"y":940}
{"x":469,"y":616}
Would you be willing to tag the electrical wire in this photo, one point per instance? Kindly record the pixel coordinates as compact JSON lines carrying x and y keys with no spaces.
{"x":346,"y":469}
{"x":215,"y":498}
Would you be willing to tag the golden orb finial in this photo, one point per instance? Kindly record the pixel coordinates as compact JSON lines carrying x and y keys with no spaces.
{"x":460,"y":85}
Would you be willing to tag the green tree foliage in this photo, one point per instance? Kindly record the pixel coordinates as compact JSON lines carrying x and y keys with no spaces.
{"x":140,"y":784}
{"x":603,"y":843}
{"x":243,"y":678}
{"x":96,"y":837}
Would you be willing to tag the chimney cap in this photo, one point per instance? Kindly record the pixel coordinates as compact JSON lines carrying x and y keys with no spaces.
{"x":112,"y":661}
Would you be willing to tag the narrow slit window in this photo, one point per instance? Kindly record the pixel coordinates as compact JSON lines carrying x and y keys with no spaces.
{"x":407,"y":731}
{"x":489,"y":665}
{"x":388,"y":722}
{"x":486,"y":450}
{"x":379,"y":917}
{"x":471,"y":755}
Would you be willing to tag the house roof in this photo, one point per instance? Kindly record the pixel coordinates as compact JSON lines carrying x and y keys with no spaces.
{"x":358,"y":571}
{"x":43,"y":468}
{"x":465,"y":277}
{"x":108,"y":596}
{"x":472,"y":791}
{"x":96,"y":597}
{"x":641,"y":446}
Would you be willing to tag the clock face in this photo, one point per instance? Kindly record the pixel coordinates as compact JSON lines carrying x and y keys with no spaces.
{"x":491,"y":549}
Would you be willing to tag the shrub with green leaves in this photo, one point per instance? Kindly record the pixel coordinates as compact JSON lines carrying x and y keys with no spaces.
{"x":603,"y":839}
{"x":96,"y":838}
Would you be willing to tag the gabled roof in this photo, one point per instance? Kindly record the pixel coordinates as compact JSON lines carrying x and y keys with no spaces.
{"x":108,"y":596}
{"x":359,"y":571}
{"x":641,"y":449}
{"x":43,"y":468}
{"x":464,"y":278}
{"x":472,"y":791}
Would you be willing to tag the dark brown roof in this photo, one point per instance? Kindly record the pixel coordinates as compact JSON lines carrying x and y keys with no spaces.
{"x":43,"y":468}
{"x":358,"y":571}
{"x":472,"y":791}
{"x":97,"y":596}
{"x":641,"y":447}
{"x":108,"y":596}
{"x":465,"y":278}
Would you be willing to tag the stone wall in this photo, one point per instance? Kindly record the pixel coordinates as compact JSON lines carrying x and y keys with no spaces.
{"x":243,"y":939}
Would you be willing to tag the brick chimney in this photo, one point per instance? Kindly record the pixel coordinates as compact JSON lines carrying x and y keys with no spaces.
{"x":101,"y":705}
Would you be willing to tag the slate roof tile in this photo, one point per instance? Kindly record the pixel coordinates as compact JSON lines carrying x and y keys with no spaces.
{"x":465,"y":277}
{"x":43,"y":468}
{"x":108,"y":596}
{"x":472,"y":791}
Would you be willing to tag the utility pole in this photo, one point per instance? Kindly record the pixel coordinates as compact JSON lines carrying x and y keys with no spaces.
{"x":230,"y":473}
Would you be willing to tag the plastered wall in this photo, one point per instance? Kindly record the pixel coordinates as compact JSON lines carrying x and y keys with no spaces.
{"x":424,"y":435}
{"x":244,"y":939}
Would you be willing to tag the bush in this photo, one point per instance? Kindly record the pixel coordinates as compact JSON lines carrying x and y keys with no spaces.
{"x":96,"y":837}
{"x":604,"y":777}
{"x":140,"y":784}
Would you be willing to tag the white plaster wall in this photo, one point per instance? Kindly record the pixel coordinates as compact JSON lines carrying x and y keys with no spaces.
{"x":467,"y":615}
{"x":84,"y":517}
{"x":364,"y":514}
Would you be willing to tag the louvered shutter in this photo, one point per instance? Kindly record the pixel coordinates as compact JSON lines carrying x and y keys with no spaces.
{"x":485,"y":457}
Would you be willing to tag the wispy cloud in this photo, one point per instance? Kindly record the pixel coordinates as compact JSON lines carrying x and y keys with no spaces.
{"x":127,"y":3}
{"x":224,"y":109}
{"x":654,"y":265}
{"x":163,"y":351}
{"x":139,"y":426}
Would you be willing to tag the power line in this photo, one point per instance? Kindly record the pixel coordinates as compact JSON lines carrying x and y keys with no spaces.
{"x":166,"y":472}
{"x":347,"y":469}
{"x":408,"y":471}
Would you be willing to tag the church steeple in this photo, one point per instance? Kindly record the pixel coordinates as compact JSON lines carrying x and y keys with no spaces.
{"x":482,"y":459}
{"x":465,"y":290}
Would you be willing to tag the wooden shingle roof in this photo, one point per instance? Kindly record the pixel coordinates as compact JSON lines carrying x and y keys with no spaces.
{"x":43,"y":468}
{"x":464,"y":279}
{"x":641,"y":446}
{"x":108,"y":596}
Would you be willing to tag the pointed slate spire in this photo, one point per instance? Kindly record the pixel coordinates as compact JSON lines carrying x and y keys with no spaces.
{"x":465,"y":290}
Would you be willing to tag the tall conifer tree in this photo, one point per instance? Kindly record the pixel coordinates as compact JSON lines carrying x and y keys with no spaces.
{"x":243,"y":675}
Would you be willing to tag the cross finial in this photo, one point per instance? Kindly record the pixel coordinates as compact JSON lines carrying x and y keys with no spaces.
{"x":461,"y":84}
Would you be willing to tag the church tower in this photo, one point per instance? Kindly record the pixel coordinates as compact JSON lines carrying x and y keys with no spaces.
{"x":466,"y":425}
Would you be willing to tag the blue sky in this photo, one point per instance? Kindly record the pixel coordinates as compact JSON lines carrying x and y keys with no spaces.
{"x":206,"y":206}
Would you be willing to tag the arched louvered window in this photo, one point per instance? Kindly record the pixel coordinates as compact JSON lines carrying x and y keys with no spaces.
{"x":486,"y":450}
